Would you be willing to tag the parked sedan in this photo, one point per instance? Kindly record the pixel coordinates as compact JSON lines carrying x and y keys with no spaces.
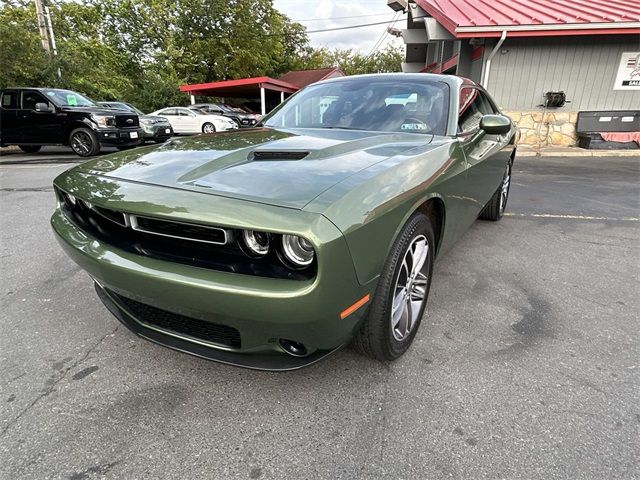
{"x":242,"y":117}
{"x":186,"y":121}
{"x":272,"y":248}
{"x":156,"y":129}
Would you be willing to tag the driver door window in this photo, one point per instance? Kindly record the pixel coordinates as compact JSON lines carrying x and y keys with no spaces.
{"x":29,"y":100}
{"x":473,"y":106}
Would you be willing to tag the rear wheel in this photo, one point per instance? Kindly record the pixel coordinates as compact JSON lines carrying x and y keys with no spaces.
{"x":30,"y":148}
{"x":208,"y":128}
{"x":401,"y":296}
{"x":495,"y":208}
{"x":84,"y":142}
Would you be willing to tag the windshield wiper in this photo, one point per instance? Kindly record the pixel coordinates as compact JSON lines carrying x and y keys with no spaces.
{"x":336,"y":127}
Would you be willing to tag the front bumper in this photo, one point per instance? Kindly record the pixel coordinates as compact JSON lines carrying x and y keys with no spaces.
{"x":248,"y":122}
{"x":120,"y":137}
{"x":158,"y":133}
{"x":263,"y":310}
{"x":257,"y":361}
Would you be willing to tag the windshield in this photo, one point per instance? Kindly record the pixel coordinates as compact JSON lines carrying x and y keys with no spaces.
{"x":385,"y":105}
{"x":67,"y":98}
{"x":126,"y":106}
{"x":123,"y":106}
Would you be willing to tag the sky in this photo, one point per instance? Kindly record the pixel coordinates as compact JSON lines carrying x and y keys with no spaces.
{"x":321,"y":14}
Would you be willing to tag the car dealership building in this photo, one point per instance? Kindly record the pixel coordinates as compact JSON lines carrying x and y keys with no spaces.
{"x":529,"y":53}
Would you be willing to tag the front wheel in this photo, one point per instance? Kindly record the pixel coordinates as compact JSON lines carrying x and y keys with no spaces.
{"x":84,"y":142}
{"x":401,"y":296}
{"x":30,"y":148}
{"x":208,"y":128}
{"x":495,"y":208}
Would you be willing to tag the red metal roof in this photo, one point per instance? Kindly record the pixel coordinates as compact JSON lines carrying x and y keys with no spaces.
{"x":488,"y":18}
{"x":245,"y":87}
{"x":302,"y":78}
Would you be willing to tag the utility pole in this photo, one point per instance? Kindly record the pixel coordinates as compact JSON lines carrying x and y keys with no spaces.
{"x":42,"y":25}
{"x":52,"y":37}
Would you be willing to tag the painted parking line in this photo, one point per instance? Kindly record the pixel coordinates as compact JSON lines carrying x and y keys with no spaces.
{"x":571,"y":217}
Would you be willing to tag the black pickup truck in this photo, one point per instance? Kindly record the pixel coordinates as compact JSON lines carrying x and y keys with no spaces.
{"x":33,"y":117}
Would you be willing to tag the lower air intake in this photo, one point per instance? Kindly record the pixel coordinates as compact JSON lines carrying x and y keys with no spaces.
{"x":179,"y":324}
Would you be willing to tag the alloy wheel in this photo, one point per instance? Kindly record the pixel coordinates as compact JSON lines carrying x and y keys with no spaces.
{"x":410,"y":289}
{"x":208,"y":128}
{"x":81,"y":143}
{"x":504,"y":189}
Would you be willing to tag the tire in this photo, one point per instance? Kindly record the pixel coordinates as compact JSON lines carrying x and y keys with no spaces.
{"x":494,"y":210}
{"x":30,"y":148}
{"x":380,"y":336}
{"x":208,"y":128}
{"x":84,"y":142}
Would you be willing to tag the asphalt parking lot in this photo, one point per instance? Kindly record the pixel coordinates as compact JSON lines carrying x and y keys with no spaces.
{"x":527,"y":364}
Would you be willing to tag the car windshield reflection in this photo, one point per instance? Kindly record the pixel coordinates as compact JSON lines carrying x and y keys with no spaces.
{"x":367,"y":104}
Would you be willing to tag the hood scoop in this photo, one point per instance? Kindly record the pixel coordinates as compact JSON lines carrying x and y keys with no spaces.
{"x":273,"y":155}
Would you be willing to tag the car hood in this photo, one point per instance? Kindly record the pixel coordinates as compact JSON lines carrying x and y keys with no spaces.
{"x":287,"y":168}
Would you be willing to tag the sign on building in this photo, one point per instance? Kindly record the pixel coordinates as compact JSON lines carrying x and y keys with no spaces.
{"x":628,"y":77}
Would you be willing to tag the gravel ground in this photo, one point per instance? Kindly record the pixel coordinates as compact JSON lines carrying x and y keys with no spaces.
{"x":527,"y":364}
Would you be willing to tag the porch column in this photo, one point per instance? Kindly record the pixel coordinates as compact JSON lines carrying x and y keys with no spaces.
{"x":281,"y":97}
{"x":193,"y":99}
{"x":263,"y":107}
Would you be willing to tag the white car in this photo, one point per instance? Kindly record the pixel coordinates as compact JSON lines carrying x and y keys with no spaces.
{"x":184,"y":120}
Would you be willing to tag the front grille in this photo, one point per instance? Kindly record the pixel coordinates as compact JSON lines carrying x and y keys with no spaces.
{"x":186,"y":231}
{"x":180,"y":324}
{"x":124,"y":121}
{"x":188,"y":244}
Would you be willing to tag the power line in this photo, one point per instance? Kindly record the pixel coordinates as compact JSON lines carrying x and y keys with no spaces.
{"x":348,"y":27}
{"x":339,"y":18}
{"x":378,"y":44}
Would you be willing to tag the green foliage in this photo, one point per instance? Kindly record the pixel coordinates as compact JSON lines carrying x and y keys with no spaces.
{"x":353,"y":62}
{"x":140,"y":51}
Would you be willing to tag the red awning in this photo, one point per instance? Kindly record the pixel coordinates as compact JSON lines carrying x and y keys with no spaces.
{"x":489,"y":18}
{"x":243,"y":88}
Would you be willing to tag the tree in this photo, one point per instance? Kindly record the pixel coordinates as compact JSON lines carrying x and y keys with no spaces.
{"x":353,"y":62}
{"x":140,"y":51}
{"x":23,"y":60}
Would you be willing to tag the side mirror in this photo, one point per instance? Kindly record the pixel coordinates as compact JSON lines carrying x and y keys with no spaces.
{"x":495,"y":124}
{"x":43,"y":107}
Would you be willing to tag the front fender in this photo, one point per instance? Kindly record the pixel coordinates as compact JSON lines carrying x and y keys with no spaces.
{"x":377,"y":202}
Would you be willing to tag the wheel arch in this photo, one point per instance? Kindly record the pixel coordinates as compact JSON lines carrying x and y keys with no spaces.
{"x":431,"y":205}
{"x":71,"y":126}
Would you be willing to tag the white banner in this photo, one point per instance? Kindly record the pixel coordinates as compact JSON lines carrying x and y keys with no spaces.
{"x":628,"y":77}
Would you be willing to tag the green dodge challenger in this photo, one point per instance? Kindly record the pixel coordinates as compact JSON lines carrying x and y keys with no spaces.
{"x":273,"y":247}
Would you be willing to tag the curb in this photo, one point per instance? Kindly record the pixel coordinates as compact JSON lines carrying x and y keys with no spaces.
{"x":571,"y":152}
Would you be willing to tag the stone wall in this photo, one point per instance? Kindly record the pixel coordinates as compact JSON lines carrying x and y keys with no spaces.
{"x":557,"y":128}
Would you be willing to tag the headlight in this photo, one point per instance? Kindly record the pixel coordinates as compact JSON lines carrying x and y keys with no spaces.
{"x":256,"y":244}
{"x":297,"y":250}
{"x":146,"y":122}
{"x":104,"y":120}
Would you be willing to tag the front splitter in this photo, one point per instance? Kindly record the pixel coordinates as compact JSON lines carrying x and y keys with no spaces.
{"x":274,"y":362}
